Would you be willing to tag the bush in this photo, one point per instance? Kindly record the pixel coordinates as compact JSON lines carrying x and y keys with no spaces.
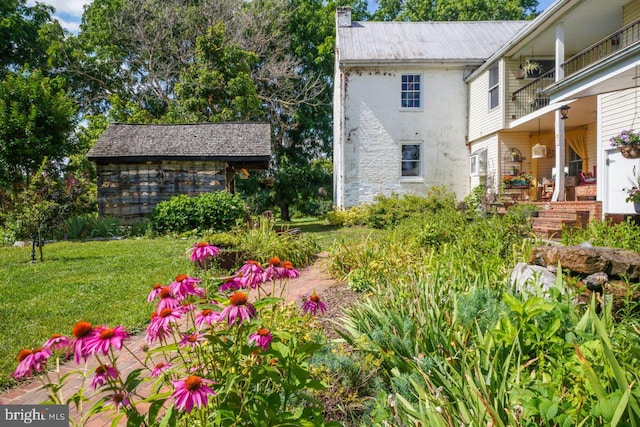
{"x":219,"y":211}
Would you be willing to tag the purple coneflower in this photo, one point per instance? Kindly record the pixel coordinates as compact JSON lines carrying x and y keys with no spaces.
{"x":184,"y":286}
{"x":262,"y":338}
{"x":207,"y":316}
{"x":82,"y":333}
{"x":191,"y":392}
{"x":102,"y":374}
{"x":155,"y":292}
{"x":251,"y":274}
{"x":288,"y":272}
{"x":167,"y":299}
{"x":31,"y":360}
{"x":103,"y":338}
{"x":191,"y":340}
{"x":272,"y":270}
{"x":232,"y":284}
{"x":313,"y":304}
{"x":119,"y":399}
{"x":159,"y":369}
{"x":202,"y":252}
{"x":57,"y":342}
{"x":239,"y":309}
{"x":160,"y":325}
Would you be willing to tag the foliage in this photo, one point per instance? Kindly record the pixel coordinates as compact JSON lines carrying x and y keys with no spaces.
{"x":218,"y":211}
{"x":625,"y":138}
{"x":451,"y":10}
{"x":633,"y":192}
{"x":356,"y":215}
{"x":36,"y":121}
{"x":247,"y":365}
{"x":624,"y":235}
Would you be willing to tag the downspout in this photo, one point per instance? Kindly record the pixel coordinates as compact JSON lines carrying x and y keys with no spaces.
{"x":559,"y":191}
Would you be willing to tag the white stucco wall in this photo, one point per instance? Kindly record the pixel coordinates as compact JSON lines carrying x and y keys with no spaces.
{"x":371,"y":128}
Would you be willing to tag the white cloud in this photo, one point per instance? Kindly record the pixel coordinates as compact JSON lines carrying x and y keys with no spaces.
{"x":70,"y":25}
{"x":73,"y":8}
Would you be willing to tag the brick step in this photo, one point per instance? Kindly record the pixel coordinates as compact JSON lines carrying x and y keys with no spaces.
{"x":565,"y":214}
{"x":554,"y":222}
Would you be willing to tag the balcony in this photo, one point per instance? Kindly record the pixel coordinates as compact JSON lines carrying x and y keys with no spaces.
{"x":532,"y":96}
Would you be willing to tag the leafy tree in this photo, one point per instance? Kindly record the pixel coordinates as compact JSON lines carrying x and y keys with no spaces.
{"x":36,"y":121}
{"x":454,"y":10}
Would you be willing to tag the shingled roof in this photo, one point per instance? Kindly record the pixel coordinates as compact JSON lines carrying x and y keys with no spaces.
{"x":228,"y":142}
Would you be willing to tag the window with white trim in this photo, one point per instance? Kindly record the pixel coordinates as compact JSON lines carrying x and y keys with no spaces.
{"x":575,"y":162}
{"x":411,"y":91}
{"x":412,"y":160}
{"x":478,"y":163}
{"x":494,"y":87}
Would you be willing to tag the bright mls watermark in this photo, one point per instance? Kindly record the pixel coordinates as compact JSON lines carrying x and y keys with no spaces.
{"x":34,"y":415}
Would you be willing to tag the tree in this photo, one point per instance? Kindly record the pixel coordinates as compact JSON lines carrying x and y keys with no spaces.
{"x":455,"y":10}
{"x":36,"y":121}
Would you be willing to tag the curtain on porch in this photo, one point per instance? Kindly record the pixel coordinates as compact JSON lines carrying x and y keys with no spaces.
{"x":549,"y":141}
{"x":577,"y":140}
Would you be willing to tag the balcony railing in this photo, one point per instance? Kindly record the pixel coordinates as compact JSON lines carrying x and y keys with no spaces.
{"x":622,"y":38}
{"x":532,"y":97}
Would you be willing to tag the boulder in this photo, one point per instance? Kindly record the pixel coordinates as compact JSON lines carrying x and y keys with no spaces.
{"x":589,"y":260}
{"x":532,"y":279}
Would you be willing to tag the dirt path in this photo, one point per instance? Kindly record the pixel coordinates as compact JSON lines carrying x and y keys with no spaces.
{"x":311,"y":277}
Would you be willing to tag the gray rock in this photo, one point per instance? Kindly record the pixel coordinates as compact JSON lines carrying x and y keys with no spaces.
{"x":532,"y":279}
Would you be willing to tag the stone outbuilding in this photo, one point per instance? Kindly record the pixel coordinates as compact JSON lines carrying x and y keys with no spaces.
{"x":139,"y":166}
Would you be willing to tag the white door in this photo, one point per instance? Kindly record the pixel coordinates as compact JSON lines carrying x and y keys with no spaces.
{"x":619,"y":171}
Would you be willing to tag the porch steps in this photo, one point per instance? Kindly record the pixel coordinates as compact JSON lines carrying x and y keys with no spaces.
{"x":550,"y":223}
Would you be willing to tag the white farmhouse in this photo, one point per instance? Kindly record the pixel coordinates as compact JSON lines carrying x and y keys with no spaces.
{"x":525,"y":108}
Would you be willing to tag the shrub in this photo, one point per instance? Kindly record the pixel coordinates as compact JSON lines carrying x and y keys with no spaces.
{"x":218,"y":211}
{"x":357,"y":215}
{"x":625,"y":235}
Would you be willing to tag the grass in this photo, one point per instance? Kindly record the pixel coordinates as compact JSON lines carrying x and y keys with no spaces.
{"x":327,"y":235}
{"x":102,"y":282}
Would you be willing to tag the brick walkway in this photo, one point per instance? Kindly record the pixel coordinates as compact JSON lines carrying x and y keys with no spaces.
{"x":312,"y":277}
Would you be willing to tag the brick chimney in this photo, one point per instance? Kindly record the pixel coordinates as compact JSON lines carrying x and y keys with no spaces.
{"x":343,"y":16}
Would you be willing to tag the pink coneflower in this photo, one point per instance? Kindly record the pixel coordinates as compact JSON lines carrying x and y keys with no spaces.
{"x":239,"y":309}
{"x":184,"y":286}
{"x":262,"y":338}
{"x":102,"y":374}
{"x":191,"y":340}
{"x":155,"y":292}
{"x":82,"y":333}
{"x":191,"y":392}
{"x":271,"y":272}
{"x":159,"y":369}
{"x":103,"y":338}
{"x":160,"y":325}
{"x":207,"y":316}
{"x":202,"y":253}
{"x":119,"y":399}
{"x":57,"y":342}
{"x":167,"y":299}
{"x":232,"y":284}
{"x":251,"y":274}
{"x":288,"y":272}
{"x":31,"y":360}
{"x":313,"y":304}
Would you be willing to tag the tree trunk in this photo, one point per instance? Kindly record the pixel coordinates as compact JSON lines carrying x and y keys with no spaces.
{"x":284,"y":212}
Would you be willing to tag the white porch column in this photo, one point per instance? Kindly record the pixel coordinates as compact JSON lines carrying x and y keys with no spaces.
{"x":558,"y":193}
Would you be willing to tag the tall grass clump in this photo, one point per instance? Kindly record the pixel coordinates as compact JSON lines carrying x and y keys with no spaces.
{"x":625,"y":235}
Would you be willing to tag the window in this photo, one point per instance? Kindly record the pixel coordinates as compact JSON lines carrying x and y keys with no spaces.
{"x":575,"y":163}
{"x":411,"y":91}
{"x":411,"y":160}
{"x":494,"y":87}
{"x":478,"y":163}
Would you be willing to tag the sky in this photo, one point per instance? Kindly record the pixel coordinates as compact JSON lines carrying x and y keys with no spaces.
{"x":69,"y":12}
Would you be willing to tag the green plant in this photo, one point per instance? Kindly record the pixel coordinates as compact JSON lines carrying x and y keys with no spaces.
{"x":625,"y":235}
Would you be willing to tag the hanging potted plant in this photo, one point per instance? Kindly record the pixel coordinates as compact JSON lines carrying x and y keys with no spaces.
{"x":628,"y":142}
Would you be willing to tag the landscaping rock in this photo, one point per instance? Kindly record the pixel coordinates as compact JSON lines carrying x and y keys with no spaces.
{"x":589,"y":260}
{"x":532,"y":279}
{"x":595,"y":282}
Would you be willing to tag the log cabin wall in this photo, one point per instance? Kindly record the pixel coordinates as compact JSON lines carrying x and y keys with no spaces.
{"x":130,"y":191}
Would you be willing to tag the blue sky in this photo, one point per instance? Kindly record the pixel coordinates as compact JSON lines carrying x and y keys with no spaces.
{"x":69,"y":12}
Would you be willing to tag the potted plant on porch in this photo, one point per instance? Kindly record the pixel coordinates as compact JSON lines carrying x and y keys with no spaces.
{"x":628,"y":142}
{"x":633,"y":193}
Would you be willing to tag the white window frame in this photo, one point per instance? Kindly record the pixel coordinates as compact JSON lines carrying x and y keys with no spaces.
{"x":408,"y":87}
{"x":405,"y":162}
{"x":494,"y":86}
{"x":478,"y":163}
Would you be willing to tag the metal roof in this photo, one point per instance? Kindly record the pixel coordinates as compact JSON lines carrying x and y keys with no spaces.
{"x":232,"y":141}
{"x":367,"y":41}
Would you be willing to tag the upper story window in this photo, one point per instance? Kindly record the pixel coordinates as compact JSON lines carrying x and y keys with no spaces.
{"x":494,"y":87}
{"x":411,"y":91}
{"x":412,"y":160}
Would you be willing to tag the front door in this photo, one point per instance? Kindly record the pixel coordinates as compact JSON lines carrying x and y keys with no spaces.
{"x":619,"y":171}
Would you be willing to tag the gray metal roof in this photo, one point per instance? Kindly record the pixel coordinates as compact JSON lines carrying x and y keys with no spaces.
{"x":424,"y":41}
{"x":223,"y":141}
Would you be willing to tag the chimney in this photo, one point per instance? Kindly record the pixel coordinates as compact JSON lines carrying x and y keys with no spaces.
{"x":343,"y":16}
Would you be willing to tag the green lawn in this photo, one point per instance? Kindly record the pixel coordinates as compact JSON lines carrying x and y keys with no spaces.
{"x":102,"y":282}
